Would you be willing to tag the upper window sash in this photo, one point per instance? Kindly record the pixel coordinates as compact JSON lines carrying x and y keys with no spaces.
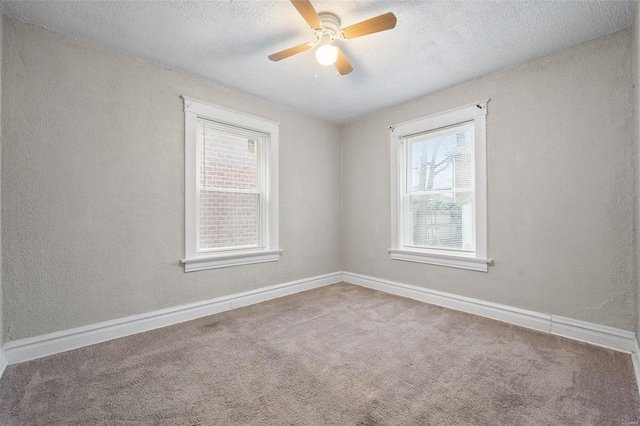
{"x":406,"y":147}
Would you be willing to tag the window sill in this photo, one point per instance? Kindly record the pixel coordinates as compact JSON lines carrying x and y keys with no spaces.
{"x":227,"y":260}
{"x":442,"y":259}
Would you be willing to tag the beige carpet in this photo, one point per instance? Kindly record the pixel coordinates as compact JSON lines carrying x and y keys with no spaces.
{"x":339,"y":355}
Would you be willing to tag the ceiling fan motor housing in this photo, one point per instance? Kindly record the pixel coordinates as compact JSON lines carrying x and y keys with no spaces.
{"x":330,"y":25}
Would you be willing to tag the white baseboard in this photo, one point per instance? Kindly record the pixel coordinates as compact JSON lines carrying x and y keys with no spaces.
{"x":3,"y":362}
{"x":595,"y":334}
{"x":521,"y":317}
{"x":635,"y":357}
{"x":40,"y":346}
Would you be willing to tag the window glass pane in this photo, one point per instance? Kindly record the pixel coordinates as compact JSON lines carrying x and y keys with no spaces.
{"x":228,"y":219}
{"x":442,"y":160}
{"x":226,"y":160}
{"x":443,"y":220}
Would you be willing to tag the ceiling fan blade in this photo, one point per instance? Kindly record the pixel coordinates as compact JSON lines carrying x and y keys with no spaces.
{"x":342,"y":64}
{"x":289,"y":52}
{"x":305,"y":8}
{"x":370,"y":26}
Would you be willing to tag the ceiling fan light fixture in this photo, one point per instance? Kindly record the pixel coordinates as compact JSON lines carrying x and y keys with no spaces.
{"x":327,"y":54}
{"x":326,"y":27}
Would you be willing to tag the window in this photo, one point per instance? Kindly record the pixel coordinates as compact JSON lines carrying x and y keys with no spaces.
{"x":231,"y":188}
{"x":438,"y":189}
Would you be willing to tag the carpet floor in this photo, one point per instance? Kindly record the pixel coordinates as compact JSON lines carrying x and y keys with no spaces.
{"x":338,"y":355}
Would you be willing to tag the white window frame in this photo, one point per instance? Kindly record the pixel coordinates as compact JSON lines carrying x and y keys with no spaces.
{"x":400,"y":249}
{"x":267,"y":249}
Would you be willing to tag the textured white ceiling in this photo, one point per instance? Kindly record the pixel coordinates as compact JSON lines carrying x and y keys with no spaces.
{"x":436,"y":44}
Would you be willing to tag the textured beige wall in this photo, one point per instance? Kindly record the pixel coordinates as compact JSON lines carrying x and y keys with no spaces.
{"x":93,"y":187}
{"x":561,"y":189}
{"x":636,"y":115}
{"x":1,"y":287}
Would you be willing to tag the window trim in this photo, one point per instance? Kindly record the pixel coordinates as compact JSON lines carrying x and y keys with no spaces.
{"x":269,"y":250}
{"x":478,"y":261}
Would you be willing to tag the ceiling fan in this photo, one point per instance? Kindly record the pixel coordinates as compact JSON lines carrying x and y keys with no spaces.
{"x":326,"y":27}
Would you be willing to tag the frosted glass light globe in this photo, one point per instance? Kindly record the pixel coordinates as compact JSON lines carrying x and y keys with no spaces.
{"x":326,"y":54}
